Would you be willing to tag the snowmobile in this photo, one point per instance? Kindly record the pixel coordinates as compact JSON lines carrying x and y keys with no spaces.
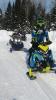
{"x":16,"y":43}
{"x":41,"y":59}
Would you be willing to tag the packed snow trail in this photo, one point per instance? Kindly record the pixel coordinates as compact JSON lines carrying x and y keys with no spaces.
{"x":14,"y":84}
{"x":52,"y":36}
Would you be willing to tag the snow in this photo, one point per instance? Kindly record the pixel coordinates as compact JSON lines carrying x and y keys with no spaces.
{"x":4,"y":35}
{"x":14,"y":84}
{"x":52,"y":36}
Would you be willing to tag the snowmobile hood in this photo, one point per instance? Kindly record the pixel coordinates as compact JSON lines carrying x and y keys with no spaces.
{"x":43,"y":48}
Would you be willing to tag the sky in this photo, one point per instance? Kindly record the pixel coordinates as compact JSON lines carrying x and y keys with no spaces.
{"x":46,"y":3}
{"x":4,"y":3}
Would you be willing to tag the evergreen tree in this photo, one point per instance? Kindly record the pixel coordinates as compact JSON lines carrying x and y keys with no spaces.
{"x":17,"y":11}
{"x":53,"y":14}
{"x":13,"y":16}
{"x":48,"y":20}
{"x":40,"y":11}
{"x":0,"y":18}
{"x":8,"y":16}
{"x":27,"y":10}
{"x":32,"y":13}
{"x":23,"y":10}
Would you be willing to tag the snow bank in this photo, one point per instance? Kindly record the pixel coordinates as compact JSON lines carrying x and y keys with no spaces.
{"x":4,"y":35}
{"x":28,"y":44}
{"x":52,"y":36}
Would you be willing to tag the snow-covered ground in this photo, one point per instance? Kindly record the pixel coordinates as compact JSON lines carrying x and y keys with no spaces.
{"x":14,"y":84}
{"x":52,"y":35}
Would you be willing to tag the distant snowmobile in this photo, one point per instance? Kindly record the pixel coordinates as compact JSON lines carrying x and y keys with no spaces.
{"x":16,"y":43}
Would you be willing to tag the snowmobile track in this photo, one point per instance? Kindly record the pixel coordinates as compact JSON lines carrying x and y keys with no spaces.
{"x":46,"y":88}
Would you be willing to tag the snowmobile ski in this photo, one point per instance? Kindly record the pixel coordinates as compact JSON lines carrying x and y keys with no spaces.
{"x":31,"y":77}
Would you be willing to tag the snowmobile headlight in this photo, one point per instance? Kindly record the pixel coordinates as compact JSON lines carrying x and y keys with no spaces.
{"x":15,"y":40}
{"x":19,"y":40}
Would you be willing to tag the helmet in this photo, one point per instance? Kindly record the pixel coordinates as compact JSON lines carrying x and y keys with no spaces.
{"x":41,"y":23}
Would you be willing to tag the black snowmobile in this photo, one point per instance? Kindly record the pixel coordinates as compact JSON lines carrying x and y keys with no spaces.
{"x":16,"y":43}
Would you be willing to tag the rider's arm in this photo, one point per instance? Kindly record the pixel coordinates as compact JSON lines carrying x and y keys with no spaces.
{"x":47,"y":37}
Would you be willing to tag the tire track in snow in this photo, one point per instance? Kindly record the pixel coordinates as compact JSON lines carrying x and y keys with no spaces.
{"x":49,"y":91}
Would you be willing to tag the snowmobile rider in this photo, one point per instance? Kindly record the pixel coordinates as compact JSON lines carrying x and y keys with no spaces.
{"x":34,"y":39}
{"x":39,"y":37}
{"x":45,"y":36}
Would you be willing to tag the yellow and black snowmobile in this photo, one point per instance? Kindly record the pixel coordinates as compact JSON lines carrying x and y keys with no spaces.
{"x":41,"y":60}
